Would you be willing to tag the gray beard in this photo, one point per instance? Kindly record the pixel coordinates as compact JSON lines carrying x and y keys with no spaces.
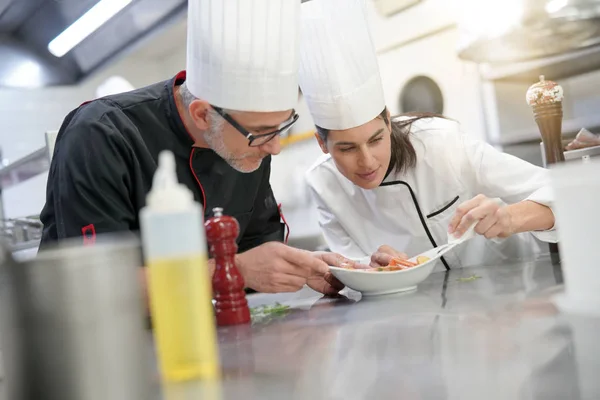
{"x":214,"y":139}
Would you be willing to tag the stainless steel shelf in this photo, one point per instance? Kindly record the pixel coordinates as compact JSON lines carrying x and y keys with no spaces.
{"x":25,"y":168}
{"x":558,"y":67}
{"x":570,"y":128}
{"x":31,"y":244}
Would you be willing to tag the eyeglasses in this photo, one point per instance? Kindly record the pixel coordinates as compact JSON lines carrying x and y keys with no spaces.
{"x":253,"y":139}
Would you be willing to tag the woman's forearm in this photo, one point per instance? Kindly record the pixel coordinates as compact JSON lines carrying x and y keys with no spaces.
{"x":527,"y":216}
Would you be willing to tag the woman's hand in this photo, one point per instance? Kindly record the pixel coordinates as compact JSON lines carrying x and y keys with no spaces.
{"x":494,"y":219}
{"x":383,"y":256}
{"x":497,"y":220}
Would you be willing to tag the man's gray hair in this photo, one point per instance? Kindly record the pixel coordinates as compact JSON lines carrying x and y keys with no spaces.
{"x":186,"y":96}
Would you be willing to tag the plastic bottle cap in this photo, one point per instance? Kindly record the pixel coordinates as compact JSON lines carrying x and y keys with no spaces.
{"x":167,"y":193}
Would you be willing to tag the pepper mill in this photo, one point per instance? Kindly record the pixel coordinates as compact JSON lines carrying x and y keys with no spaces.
{"x":545,"y":99}
{"x":231,"y":306}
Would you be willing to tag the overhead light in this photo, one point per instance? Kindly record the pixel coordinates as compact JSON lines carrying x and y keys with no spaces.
{"x":27,"y":74}
{"x":556,"y":5}
{"x":86,"y":25}
{"x":489,"y":19}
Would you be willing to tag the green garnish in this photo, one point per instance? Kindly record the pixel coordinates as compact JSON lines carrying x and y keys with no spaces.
{"x":266,"y":313}
{"x":380,"y":269}
{"x":469,"y":279}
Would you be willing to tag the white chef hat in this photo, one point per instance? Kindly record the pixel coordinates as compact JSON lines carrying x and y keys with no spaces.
{"x":339,"y":74}
{"x":243,"y":54}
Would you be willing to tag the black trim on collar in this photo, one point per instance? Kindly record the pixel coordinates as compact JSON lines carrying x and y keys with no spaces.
{"x":441,"y":210}
{"x":172,"y":112}
{"x":414,"y":198}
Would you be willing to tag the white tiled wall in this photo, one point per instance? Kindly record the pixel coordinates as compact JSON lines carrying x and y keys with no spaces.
{"x":418,"y":20}
{"x":407,"y":48}
{"x":435,"y":57}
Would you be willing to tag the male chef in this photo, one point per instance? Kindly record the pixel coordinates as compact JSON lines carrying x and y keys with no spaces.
{"x":222,"y":119}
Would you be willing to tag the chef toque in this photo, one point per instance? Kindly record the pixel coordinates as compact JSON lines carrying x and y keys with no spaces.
{"x":243,"y":54}
{"x":339,"y":74}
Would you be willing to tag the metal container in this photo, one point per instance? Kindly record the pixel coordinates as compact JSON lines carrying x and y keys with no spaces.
{"x":80,"y":324}
{"x":11,"y":350}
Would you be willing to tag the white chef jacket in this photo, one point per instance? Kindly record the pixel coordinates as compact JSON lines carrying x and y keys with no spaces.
{"x":411,"y":211}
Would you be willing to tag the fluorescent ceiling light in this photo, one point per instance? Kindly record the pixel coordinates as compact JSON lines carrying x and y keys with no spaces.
{"x":86,"y":25}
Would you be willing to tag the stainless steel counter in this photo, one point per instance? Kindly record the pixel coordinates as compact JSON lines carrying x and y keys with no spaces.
{"x":496,"y":336}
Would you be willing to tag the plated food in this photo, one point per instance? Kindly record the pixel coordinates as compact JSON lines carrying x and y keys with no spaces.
{"x":397,"y":264}
{"x":400,"y":276}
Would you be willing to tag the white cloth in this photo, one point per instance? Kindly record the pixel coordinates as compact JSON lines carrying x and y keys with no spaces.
{"x":451,"y":168}
{"x":243,"y":54}
{"x":339,"y":74}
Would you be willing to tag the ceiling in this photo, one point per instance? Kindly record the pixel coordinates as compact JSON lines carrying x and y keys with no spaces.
{"x":165,"y":41}
{"x":27,"y":26}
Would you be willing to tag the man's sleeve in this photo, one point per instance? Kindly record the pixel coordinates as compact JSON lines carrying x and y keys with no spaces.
{"x":89,"y":181}
{"x":265,"y":225}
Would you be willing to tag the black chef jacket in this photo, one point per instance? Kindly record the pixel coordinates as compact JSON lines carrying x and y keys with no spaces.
{"x":105,"y":157}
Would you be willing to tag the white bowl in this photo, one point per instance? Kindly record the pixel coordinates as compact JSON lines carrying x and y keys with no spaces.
{"x":383,"y":282}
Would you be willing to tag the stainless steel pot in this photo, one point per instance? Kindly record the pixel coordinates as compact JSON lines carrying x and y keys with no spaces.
{"x":75,"y":319}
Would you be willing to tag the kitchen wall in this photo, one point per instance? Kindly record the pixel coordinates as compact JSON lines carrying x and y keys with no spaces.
{"x":580,"y":105}
{"x":25,"y":114}
{"x":423,"y":41}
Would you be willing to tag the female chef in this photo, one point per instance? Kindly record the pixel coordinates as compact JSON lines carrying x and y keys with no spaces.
{"x":389,"y":186}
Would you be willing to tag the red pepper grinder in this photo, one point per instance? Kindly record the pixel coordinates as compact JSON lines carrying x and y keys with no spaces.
{"x":231,"y":306}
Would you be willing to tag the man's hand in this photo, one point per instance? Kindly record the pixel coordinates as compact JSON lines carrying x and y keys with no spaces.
{"x":383,"y":256}
{"x":274,"y":268}
{"x":337,"y":260}
{"x":329,"y":284}
{"x":494,"y":219}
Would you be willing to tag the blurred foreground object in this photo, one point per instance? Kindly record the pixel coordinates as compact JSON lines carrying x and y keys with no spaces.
{"x":75,"y":328}
{"x":577,"y":190}
{"x":180,"y":295}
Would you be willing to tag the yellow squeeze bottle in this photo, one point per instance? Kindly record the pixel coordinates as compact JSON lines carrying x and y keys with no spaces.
{"x":180,"y":288}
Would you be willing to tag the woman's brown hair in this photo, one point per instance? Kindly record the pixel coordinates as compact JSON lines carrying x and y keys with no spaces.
{"x":403,"y":155}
